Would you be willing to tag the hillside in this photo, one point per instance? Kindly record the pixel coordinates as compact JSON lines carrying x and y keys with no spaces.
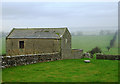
{"x":87,"y":43}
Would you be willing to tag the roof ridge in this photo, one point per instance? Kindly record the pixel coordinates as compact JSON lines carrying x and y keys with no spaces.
{"x":37,"y":28}
{"x":32,"y":32}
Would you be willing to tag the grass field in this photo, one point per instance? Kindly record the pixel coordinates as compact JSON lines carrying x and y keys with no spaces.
{"x":2,"y":46}
{"x":64,"y":71}
{"x":87,"y":43}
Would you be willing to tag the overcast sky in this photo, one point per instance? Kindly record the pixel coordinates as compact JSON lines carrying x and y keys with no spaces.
{"x":74,"y":15}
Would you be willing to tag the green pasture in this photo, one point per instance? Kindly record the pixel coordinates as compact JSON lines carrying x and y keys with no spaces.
{"x":2,"y":46}
{"x":87,"y":43}
{"x":72,"y":70}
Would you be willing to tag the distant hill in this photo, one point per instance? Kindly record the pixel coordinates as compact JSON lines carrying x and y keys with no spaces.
{"x":95,"y":32}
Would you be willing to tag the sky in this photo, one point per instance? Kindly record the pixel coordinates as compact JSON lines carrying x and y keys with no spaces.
{"x":74,"y":15}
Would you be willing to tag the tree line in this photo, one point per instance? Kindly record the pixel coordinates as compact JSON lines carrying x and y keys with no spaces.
{"x":112,"y":42}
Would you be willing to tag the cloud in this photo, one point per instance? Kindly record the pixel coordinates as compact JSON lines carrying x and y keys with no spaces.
{"x":60,"y":0}
{"x":57,"y":14}
{"x":36,"y":10}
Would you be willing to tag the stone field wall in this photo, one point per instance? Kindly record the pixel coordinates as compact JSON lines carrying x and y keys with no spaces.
{"x":108,"y":57}
{"x":9,"y":61}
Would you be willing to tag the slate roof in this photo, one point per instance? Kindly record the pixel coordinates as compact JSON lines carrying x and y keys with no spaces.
{"x":36,"y":33}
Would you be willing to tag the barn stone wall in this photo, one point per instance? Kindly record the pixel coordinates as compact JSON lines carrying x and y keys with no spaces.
{"x":10,"y":61}
{"x":32,"y":46}
{"x":108,"y":57}
{"x":66,"y":45}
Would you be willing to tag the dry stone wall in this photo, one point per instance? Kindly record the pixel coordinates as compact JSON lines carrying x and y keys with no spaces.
{"x":108,"y":57}
{"x":77,"y":53}
{"x":9,"y":61}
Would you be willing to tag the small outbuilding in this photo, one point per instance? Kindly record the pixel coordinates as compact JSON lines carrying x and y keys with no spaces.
{"x":39,"y":40}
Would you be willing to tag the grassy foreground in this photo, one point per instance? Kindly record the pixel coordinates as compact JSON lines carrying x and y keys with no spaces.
{"x":64,"y":71}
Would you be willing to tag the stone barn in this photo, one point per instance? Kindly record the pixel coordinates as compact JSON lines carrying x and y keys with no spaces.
{"x":39,"y":41}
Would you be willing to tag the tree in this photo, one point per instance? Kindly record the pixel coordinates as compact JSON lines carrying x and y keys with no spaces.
{"x":108,"y":48}
{"x":95,"y":50}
